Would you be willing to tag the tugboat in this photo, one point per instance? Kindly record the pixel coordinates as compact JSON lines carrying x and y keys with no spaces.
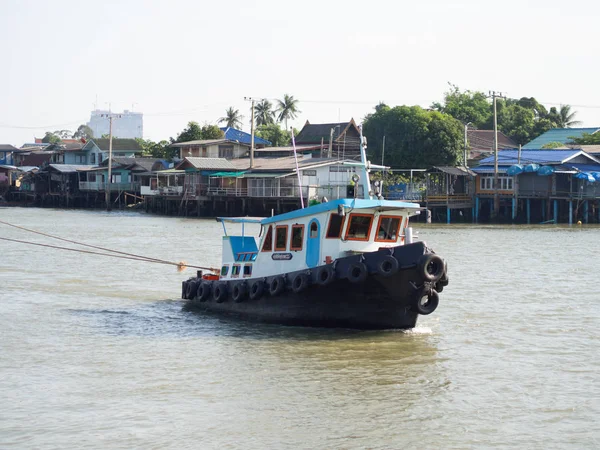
{"x":348,"y":263}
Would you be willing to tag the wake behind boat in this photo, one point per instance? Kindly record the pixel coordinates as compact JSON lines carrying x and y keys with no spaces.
{"x":344,"y":263}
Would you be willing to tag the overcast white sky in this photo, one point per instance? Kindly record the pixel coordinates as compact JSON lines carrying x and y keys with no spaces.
{"x":177,"y":60}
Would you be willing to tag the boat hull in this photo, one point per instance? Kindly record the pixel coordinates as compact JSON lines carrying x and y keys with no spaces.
{"x":377,"y":299}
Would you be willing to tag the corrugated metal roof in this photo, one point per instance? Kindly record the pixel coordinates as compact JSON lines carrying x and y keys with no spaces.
{"x":7,"y":148}
{"x":562,"y":135}
{"x":488,"y":169}
{"x":209,"y":163}
{"x":199,"y":142}
{"x":242,"y":137}
{"x":68,"y":168}
{"x":510,"y":157}
{"x":460,"y":171}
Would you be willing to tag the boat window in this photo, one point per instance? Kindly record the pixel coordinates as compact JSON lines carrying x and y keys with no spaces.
{"x":359,"y":227}
{"x":334,"y":231}
{"x":297,"y":237}
{"x":224,"y":271}
{"x":235,"y":270}
{"x":281,"y":238}
{"x":268,"y":242}
{"x":388,"y":229}
{"x":314,"y":230}
{"x":247,"y":270}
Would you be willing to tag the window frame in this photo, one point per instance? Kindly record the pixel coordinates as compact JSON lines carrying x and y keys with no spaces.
{"x":249,"y":274}
{"x":225,"y":270}
{"x":349,"y":221}
{"x":387,"y":216}
{"x":280,"y":249}
{"x":268,"y":234}
{"x":329,"y":225}
{"x":301,"y":227}
{"x":233,"y":271}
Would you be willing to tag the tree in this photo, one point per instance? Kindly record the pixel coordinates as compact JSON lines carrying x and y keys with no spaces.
{"x":587,"y":139}
{"x":232,"y":119}
{"x":193,"y":132}
{"x":263,"y":113}
{"x":553,"y":144}
{"x":414,"y":137}
{"x":63,"y":134}
{"x":274,"y":134}
{"x":50,"y":138}
{"x":212,"y":132}
{"x":83,"y":132}
{"x":566,"y":117}
{"x":287,"y":109}
{"x":467,"y":106}
{"x":161,"y":149}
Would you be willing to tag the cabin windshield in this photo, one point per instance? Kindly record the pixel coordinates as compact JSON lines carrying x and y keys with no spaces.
{"x":388,"y":229}
{"x":359,"y":227}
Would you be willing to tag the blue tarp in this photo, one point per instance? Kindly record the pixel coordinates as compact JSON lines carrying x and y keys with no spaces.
{"x":546,"y":170}
{"x":531,"y":168}
{"x":515,"y":169}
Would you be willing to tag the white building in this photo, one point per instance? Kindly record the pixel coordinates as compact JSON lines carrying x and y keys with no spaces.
{"x":126,"y":125}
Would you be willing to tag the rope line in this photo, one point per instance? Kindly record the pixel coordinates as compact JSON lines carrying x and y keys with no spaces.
{"x":126,"y":255}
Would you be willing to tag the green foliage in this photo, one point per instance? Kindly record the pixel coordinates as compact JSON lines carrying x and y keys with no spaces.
{"x":275,"y":134}
{"x":554,"y":144}
{"x":467,"y":106}
{"x":587,"y":139}
{"x":83,"y":132}
{"x":263,"y":113}
{"x":415,"y":138}
{"x":157,"y":149}
{"x":50,"y":138}
{"x":287,"y":109}
{"x":194,"y":132}
{"x":232,"y":118}
{"x":389,"y":178}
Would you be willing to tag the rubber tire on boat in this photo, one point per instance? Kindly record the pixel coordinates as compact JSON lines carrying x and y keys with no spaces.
{"x":256,"y":289}
{"x":184,"y":290}
{"x":357,"y":272}
{"x":238,"y":293}
{"x":431,"y":267}
{"x":220,"y":292}
{"x":387,"y":266}
{"x":433,"y":300}
{"x":299,"y":283}
{"x":203,"y":291}
{"x":190,"y":293}
{"x":325,"y":275}
{"x":276,"y":285}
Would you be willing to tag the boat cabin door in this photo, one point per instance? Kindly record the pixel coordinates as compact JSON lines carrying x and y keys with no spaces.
{"x":313,"y":243}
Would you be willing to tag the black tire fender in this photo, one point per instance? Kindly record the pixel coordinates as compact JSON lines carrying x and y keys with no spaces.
{"x":387,"y":266}
{"x":325,"y":275}
{"x":299,"y":283}
{"x":238,"y":292}
{"x":190,"y":293}
{"x":220,"y":292}
{"x":431,"y":267}
{"x":256,"y":289}
{"x":426,"y":301}
{"x":184,"y":285}
{"x":277,"y":285}
{"x":357,"y":272}
{"x":203,"y":291}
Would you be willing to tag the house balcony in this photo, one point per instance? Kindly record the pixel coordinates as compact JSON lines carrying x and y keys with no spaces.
{"x":166,"y":191}
{"x":114,"y":187}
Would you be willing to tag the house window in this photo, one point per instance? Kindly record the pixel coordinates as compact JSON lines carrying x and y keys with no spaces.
{"x":116,"y":178}
{"x":247,"y":270}
{"x":92,"y":177}
{"x":225,"y":151}
{"x":268,"y":242}
{"x":224,"y":270}
{"x":297,"y":237}
{"x":388,"y":229}
{"x":334,"y":231}
{"x":309,"y":173}
{"x":93,"y":158}
{"x":80,"y":159}
{"x":204,"y":152}
{"x":359,"y":227}
{"x":235,"y":271}
{"x":280,"y":238}
{"x":314,"y":230}
{"x":505,"y":183}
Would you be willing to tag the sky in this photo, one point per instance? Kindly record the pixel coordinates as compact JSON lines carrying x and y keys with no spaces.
{"x":177,"y":61}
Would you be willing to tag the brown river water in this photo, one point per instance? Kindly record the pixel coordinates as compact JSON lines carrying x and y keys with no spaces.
{"x":98,"y":353}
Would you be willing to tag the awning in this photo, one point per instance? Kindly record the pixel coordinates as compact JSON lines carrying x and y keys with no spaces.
{"x":227,"y":174}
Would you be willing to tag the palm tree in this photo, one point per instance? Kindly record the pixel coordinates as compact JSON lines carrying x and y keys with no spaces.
{"x":263,"y":113}
{"x":232,"y":119}
{"x":566,"y":117}
{"x":287,"y":109}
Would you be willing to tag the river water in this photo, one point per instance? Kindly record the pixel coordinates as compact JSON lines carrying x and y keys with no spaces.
{"x":97,"y":352}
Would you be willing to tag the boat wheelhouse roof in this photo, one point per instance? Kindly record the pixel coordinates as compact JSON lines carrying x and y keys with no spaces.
{"x":379,"y":205}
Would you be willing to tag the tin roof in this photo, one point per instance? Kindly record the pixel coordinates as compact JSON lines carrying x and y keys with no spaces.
{"x":242,"y":137}
{"x":69,"y":168}
{"x":510,"y":157}
{"x":562,"y":135}
{"x":201,"y":163}
{"x":459,"y":171}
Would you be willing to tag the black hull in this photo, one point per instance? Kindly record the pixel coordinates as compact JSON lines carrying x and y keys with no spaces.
{"x":376,"y":300}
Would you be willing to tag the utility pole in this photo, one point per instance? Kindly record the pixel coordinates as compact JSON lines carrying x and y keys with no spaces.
{"x":495,"y":95}
{"x":383,"y":150}
{"x":466,"y":144}
{"x":110,"y":117}
{"x":251,"y":100}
